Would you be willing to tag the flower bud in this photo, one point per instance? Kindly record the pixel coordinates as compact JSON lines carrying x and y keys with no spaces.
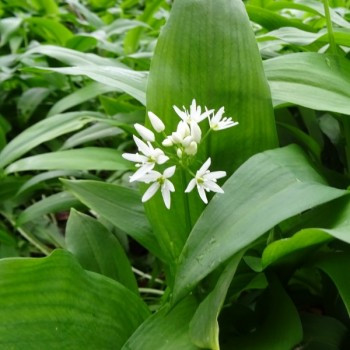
{"x":196,"y":132}
{"x":179,"y":152}
{"x":145,"y":133}
{"x":191,"y":149}
{"x":177,"y":138}
{"x":157,"y":124}
{"x":168,"y":142}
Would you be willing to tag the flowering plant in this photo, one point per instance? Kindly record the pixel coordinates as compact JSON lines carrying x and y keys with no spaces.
{"x":179,"y":148}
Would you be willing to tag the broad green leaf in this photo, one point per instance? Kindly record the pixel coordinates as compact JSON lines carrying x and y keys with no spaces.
{"x":88,"y":158}
{"x":52,"y":204}
{"x":126,"y":80}
{"x":77,"y":97}
{"x":122,"y":25}
{"x":250,"y":206}
{"x":165,"y":330}
{"x":301,"y":242}
{"x":98,"y":250}
{"x":304,"y":140}
{"x":94,"y":132}
{"x":272,"y":20}
{"x":119,"y":205}
{"x":323,"y":332}
{"x":336,"y":226}
{"x":302,"y":38}
{"x":90,"y":17}
{"x":73,"y":57}
{"x":43,"y":131}
{"x":54,"y":301}
{"x":49,"y":6}
{"x":82,"y":43}
{"x":204,"y":327}
{"x":313,"y":80}
{"x":30,"y":100}
{"x":54,"y":174}
{"x":50,"y":30}
{"x":8,"y":26}
{"x":336,"y":266}
{"x":280,"y":328}
{"x":208,"y":52}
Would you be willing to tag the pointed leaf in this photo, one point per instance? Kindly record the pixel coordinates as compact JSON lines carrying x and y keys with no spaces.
{"x":74,"y":159}
{"x":119,"y":205}
{"x":98,"y":250}
{"x":54,"y":301}
{"x":250,"y":206}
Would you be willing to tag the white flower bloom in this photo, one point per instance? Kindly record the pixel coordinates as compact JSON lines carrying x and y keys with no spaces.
{"x":184,"y":135}
{"x":195,"y":113}
{"x":145,"y":133}
{"x":216,"y":122}
{"x":146,"y":160}
{"x":156,"y":122}
{"x":206,"y":181}
{"x":160,"y":181}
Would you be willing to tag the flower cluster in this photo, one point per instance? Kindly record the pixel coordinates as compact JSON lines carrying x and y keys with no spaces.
{"x":180,"y":148}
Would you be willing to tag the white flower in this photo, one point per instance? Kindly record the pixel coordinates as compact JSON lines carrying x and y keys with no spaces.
{"x":157,"y":124}
{"x":216,"y":122}
{"x":145,"y":133}
{"x":160,"y":181}
{"x":184,"y":135}
{"x":206,"y":181}
{"x":195,"y":113}
{"x":146,"y":160}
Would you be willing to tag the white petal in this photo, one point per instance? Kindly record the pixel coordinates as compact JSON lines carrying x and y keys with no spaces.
{"x":151,"y":191}
{"x":145,"y":133}
{"x":169,"y":172}
{"x":146,"y":150}
{"x":202,"y":194}
{"x":161,"y":159}
{"x":226,"y":125}
{"x":204,"y":168}
{"x":183,"y":129}
{"x":152,"y":176}
{"x":217,"y":117}
{"x":176,"y":137}
{"x":205,"y":115}
{"x":138,"y":158}
{"x":169,"y":185}
{"x":156,"y":122}
{"x":144,"y":169}
{"x":190,"y":185}
{"x":215,"y":175}
{"x":166,"y":197}
{"x":212,"y":186}
{"x":196,"y":132}
{"x":180,"y":113}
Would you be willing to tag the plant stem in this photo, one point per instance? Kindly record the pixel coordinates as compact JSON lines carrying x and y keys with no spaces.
{"x":28,"y":236}
{"x":331,"y":39}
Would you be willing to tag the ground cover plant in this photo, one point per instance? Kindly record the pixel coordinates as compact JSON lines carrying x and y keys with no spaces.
{"x":174,"y":174}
